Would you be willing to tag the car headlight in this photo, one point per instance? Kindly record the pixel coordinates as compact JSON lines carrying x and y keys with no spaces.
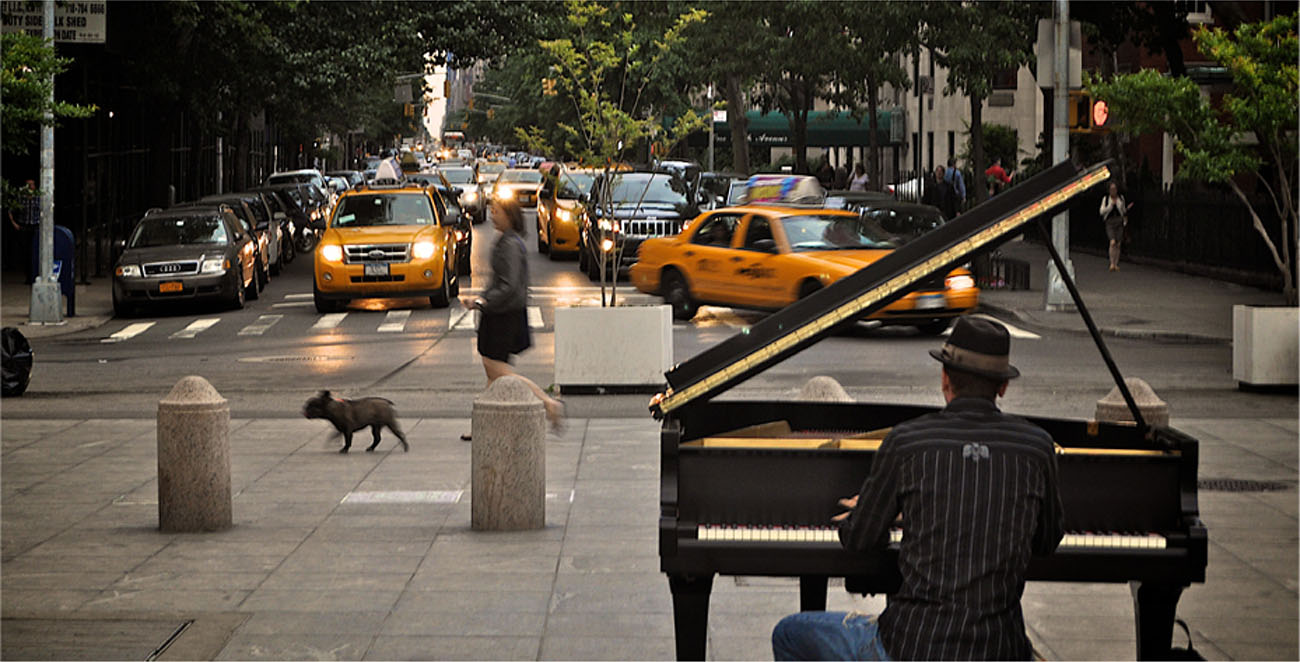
{"x":213,"y":265}
{"x":331,"y":252}
{"x":422,"y":250}
{"x":469,"y":197}
{"x":502,"y":194}
{"x":608,"y":225}
{"x":959,"y":282}
{"x":607,"y":245}
{"x":563,"y":215}
{"x":128,"y":271}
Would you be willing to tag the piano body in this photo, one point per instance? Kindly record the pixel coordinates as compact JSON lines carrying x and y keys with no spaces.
{"x":749,"y":487}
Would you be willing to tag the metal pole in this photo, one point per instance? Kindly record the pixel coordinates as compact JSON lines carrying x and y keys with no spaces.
{"x":1055,"y":296}
{"x":711,"y":127}
{"x":45,"y":308}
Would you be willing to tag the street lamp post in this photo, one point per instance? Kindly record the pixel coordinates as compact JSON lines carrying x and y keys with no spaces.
{"x":1056,"y":296}
{"x":44,"y":307}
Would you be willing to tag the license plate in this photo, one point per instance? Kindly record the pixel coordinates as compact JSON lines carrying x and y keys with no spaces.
{"x":379,"y":269}
{"x":928,"y":301}
{"x":173,"y":286}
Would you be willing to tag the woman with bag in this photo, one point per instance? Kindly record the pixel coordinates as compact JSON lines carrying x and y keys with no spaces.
{"x":503,"y":326}
{"x":1114,"y":213}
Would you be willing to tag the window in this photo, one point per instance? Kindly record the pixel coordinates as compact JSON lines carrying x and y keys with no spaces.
{"x":760,"y":229}
{"x":401,"y":209}
{"x":716,"y":230}
{"x":1007,"y":79}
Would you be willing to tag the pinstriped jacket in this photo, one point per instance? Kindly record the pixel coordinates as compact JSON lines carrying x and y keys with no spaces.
{"x":977,"y":490}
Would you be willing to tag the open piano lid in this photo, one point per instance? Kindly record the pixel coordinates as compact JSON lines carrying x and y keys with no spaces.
{"x":795,"y":327}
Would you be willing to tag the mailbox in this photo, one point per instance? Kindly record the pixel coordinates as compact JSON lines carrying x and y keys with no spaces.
{"x":64,"y":268}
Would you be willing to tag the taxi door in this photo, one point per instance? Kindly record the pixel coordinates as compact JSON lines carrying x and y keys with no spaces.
{"x":753,"y":270}
{"x":707,"y":255}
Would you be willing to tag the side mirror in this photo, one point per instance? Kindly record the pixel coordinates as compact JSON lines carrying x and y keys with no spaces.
{"x":452,"y":217}
{"x":765,"y":245}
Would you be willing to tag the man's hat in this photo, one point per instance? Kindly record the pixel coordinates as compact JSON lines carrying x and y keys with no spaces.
{"x":978,"y":346}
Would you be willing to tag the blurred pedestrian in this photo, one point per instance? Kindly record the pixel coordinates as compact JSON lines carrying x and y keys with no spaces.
{"x":859,"y":182}
{"x":826,"y":175}
{"x":1114,"y":214}
{"x":939,"y":193}
{"x":25,"y":223}
{"x":954,"y":177}
{"x":503,"y":326}
{"x":997,"y":177}
{"x":841,"y":179}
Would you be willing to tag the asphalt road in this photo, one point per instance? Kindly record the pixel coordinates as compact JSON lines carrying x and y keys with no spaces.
{"x":269,"y":357}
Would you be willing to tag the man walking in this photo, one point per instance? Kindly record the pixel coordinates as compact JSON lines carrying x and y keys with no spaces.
{"x":977,"y":493}
{"x":954,"y":178}
{"x":26,"y":223}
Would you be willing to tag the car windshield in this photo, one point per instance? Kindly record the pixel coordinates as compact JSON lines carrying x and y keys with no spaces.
{"x":291,"y":178}
{"x":659,"y":189}
{"x":528,"y":176}
{"x":385,"y":209}
{"x":176,"y":230}
{"x":575,"y":184}
{"x":821,"y":232}
{"x":458,"y":175}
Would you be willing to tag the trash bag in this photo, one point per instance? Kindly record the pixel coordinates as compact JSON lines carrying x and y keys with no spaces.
{"x":16,"y":363}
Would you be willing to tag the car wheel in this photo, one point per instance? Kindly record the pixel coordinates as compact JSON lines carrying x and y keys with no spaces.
{"x":305,"y":242}
{"x":263,"y":275}
{"x":593,"y":268}
{"x":462,"y":260}
{"x":254,"y":289}
{"x":808,"y":287}
{"x":237,"y":300}
{"x":583,"y":258}
{"x":550,"y":243}
{"x":443,"y":297}
{"x":324,"y":305}
{"x":542,"y":246}
{"x":455,"y":284}
{"x":934,"y":327}
{"x":677,"y":294}
{"x":121,"y":308}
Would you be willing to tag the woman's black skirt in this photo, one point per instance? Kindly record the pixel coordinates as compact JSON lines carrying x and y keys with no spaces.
{"x":503,"y":334}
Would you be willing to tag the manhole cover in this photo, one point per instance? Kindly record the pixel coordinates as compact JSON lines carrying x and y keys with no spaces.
{"x":1242,"y":485}
{"x":293,"y":359}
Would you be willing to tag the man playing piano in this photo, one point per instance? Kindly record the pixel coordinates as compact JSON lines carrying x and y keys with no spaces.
{"x":976,"y":490}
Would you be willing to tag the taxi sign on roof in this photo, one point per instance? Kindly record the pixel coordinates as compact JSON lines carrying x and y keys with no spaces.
{"x":784,"y":189}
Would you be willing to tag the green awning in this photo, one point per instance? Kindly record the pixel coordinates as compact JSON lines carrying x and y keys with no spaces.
{"x":826,"y":128}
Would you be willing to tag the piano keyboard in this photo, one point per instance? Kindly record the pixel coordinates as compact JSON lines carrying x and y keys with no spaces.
{"x":831,"y":535}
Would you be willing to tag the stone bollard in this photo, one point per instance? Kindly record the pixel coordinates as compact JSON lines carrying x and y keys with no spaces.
{"x":823,"y":389}
{"x":1113,"y":409}
{"x":193,"y":459}
{"x":508,"y":465}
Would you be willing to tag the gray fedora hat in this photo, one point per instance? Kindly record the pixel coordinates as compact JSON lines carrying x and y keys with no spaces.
{"x":978,"y":346}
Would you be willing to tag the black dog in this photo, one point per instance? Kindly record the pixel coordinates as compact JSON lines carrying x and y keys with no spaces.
{"x":348,"y":416}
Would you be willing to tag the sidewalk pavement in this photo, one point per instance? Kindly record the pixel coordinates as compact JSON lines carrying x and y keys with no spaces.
{"x":371,"y":556}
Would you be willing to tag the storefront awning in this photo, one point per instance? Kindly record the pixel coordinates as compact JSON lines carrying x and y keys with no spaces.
{"x":826,"y":128}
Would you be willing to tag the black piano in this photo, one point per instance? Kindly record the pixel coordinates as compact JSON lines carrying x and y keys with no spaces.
{"x":749,"y":487}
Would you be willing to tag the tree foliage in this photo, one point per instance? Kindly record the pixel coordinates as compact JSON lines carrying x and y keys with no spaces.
{"x":1264,"y":104}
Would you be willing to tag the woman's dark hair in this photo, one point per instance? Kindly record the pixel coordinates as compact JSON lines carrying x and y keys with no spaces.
{"x":512,"y":211}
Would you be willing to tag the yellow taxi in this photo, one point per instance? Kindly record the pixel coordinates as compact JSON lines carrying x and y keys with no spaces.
{"x":561,"y":204}
{"x":390,"y":239}
{"x":766,"y":256}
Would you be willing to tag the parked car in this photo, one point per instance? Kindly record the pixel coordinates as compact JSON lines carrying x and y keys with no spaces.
{"x":283,"y":218}
{"x":354,"y":178}
{"x":386,"y":241}
{"x":625,"y":209}
{"x":196,"y":252}
{"x":471,"y":197}
{"x":310,"y":176}
{"x":518,"y":184}
{"x":304,"y":210}
{"x":561,"y":208}
{"x":489,"y":171}
{"x":246,"y":217}
{"x":767,"y":256}
{"x":263,"y":224}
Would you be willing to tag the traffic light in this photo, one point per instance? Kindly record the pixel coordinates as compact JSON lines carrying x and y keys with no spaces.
{"x":1086,"y":115}
{"x":492,"y":113}
{"x":548,"y":87}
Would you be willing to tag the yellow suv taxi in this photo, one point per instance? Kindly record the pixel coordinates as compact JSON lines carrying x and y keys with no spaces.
{"x":390,"y":240}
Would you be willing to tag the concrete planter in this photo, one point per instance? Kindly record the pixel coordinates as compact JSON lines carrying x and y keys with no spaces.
{"x":620,"y":349}
{"x":1264,"y":345}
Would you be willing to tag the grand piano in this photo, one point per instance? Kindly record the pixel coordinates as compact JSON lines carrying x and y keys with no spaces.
{"x":749,"y":487}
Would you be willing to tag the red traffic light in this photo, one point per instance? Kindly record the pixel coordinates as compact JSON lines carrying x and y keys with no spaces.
{"x":1100,"y":113}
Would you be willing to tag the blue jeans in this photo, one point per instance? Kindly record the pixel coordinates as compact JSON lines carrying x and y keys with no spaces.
{"x":827,"y":635}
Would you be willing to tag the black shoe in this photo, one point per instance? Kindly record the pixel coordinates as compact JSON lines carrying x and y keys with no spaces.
{"x":466,"y":437}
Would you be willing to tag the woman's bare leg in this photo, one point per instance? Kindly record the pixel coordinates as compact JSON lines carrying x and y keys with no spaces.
{"x":496,"y":369}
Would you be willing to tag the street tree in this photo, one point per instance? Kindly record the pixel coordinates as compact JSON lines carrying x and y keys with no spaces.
{"x":976,"y":41}
{"x":877,"y":32}
{"x":1263,"y":106}
{"x":28,"y":65}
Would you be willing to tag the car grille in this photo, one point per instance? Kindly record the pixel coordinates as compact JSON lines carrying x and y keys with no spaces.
{"x":360,"y":253}
{"x":655,"y":228}
{"x":183,"y":268}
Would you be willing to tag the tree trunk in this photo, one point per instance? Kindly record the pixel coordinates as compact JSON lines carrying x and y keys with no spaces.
{"x":873,"y":125}
{"x":738,"y":122}
{"x":1283,"y":265}
{"x":799,"y":127}
{"x":239,"y":175}
{"x":977,"y":150}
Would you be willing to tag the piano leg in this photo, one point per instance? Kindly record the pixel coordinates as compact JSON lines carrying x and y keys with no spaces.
{"x":812,"y":593}
{"x":1154,"y":604}
{"x":691,"y":613}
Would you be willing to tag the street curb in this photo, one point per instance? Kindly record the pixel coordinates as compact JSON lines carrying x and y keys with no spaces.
{"x":70,"y":325}
{"x":1171,"y":337}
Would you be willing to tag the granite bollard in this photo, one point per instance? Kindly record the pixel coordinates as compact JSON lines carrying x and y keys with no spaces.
{"x":508,"y":458}
{"x":193,"y":459}
{"x":1113,"y":409}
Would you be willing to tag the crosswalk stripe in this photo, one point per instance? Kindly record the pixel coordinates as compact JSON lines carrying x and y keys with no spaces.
{"x":131,"y":331}
{"x":299,"y":295}
{"x":328,"y":321}
{"x":535,"y":317}
{"x":395,"y":321}
{"x":259,"y":327}
{"x":464,"y":320}
{"x":292,"y":304}
{"x":196,"y":327}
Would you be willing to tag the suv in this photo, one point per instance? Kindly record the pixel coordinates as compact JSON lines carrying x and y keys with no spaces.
{"x":625,"y":209}
{"x":386,"y":241}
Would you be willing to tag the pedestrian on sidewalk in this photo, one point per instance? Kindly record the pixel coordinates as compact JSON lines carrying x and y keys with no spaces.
{"x":997,"y":177}
{"x":1114,"y":214}
{"x":953,"y":176}
{"x":25,"y":224}
{"x":977,"y":492}
{"x":939,"y":193}
{"x":503,"y":327}
{"x":859,"y":181}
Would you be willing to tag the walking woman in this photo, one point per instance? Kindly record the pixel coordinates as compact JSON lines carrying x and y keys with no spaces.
{"x":1114,"y":213}
{"x":503,"y":326}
